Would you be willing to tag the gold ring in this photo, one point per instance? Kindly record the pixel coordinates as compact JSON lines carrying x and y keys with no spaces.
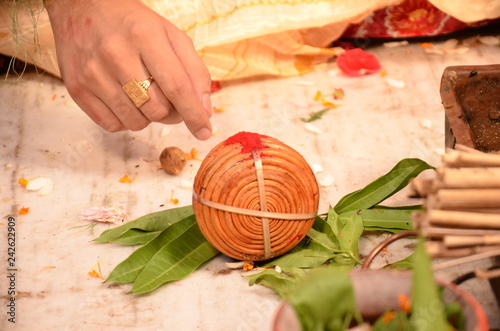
{"x":138,"y":91}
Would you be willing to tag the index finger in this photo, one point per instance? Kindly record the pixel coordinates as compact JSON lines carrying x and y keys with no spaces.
{"x":175,"y":82}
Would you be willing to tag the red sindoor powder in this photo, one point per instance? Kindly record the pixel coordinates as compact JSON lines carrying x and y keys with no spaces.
{"x":249,"y":140}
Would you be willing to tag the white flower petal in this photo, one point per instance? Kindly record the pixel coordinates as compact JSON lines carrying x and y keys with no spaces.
{"x":490,"y":40}
{"x":47,"y":188}
{"x":313,"y":128}
{"x":426,"y":123}
{"x":37,"y":183}
{"x":317,"y":168}
{"x":395,"y":83}
{"x":393,"y":44}
{"x":165,"y":131}
{"x":326,"y":181}
{"x":235,"y":265}
{"x":186,"y":183}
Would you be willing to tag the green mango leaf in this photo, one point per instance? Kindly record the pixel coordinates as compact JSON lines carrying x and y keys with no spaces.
{"x":333,"y":227}
{"x":325,"y":300}
{"x":303,"y":258}
{"x":406,"y":264}
{"x":128,"y":270}
{"x":386,"y":219}
{"x":455,"y":315}
{"x":350,"y":233}
{"x":428,"y":312}
{"x":323,"y":240}
{"x":283,"y":283}
{"x":152,"y":222}
{"x":383,"y":187}
{"x":136,"y":237}
{"x":175,"y":260}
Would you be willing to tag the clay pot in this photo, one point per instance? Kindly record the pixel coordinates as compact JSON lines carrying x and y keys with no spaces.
{"x":470,"y":96}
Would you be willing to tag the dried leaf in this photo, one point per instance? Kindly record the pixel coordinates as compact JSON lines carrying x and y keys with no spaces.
{"x":315,"y":116}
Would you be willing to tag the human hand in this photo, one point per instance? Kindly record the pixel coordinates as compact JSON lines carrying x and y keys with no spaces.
{"x":101,"y":45}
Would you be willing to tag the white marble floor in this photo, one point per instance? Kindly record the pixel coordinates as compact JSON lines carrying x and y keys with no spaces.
{"x":43,"y":133}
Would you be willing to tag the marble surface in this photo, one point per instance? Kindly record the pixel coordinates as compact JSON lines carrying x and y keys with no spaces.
{"x":43,"y":133}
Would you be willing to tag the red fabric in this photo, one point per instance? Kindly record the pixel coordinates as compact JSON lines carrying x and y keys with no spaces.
{"x":412,"y":18}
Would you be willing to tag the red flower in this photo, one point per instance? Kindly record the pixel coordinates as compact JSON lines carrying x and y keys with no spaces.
{"x":357,"y":62}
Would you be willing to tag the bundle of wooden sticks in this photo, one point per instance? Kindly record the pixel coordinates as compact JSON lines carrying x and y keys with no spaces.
{"x":462,"y":205}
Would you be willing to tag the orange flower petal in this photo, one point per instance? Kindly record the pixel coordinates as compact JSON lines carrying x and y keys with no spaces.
{"x":193,"y":155}
{"x":23,"y":182}
{"x":95,"y":274}
{"x":23,"y":211}
{"x":328,"y":103}
{"x":218,"y":109}
{"x":404,"y":302}
{"x":126,"y":179}
{"x":248,"y":266}
{"x":425,"y":45}
{"x":389,"y":316}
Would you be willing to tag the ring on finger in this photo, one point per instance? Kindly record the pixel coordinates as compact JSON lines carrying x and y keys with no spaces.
{"x":138,"y":91}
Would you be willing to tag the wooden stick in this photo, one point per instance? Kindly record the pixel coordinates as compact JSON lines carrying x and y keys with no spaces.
{"x":455,"y":158}
{"x":437,"y":249}
{"x":419,"y":219}
{"x":468,"y":177}
{"x":467,"y":259}
{"x":473,"y":210}
{"x":463,"y":148}
{"x":468,"y":198}
{"x":464,"y":219}
{"x":465,"y":241}
{"x":422,"y":187}
{"x":436,"y":232}
{"x":487,"y":274}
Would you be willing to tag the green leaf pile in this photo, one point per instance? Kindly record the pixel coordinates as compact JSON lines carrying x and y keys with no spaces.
{"x":334,"y":237}
{"x":173,"y":247}
{"x":324,"y":300}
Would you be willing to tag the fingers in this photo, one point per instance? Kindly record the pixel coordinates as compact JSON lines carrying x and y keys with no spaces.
{"x":174,"y":79}
{"x":104,"y":100}
{"x":155,"y":47}
{"x":198,"y":73}
{"x":99,"y":113}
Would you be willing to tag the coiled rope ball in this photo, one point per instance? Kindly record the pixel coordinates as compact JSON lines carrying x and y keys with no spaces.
{"x":254,"y":197}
